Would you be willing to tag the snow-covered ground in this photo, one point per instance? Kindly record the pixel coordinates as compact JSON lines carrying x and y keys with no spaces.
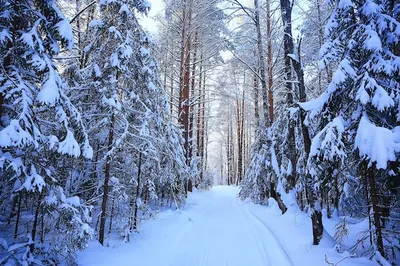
{"x":217,"y":229}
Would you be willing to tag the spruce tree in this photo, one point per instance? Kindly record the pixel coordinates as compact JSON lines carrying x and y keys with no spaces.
{"x":358,"y":114}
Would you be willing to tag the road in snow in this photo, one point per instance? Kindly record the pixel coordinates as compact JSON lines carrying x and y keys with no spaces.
{"x":223,"y":232}
{"x":215,"y":229}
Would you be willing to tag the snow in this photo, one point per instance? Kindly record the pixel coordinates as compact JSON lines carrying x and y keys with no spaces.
{"x":3,"y":243}
{"x":375,"y":143}
{"x":14,"y":135}
{"x":97,"y":70}
{"x":65,"y":30}
{"x":343,"y":72}
{"x":4,"y":34}
{"x":328,"y":142}
{"x":49,"y":93}
{"x":215,"y":228}
{"x":112,"y":102}
{"x":381,"y":99}
{"x":69,"y":145}
{"x":125,"y":9}
{"x":370,"y":8}
{"x":33,"y":182}
{"x":345,"y":3}
{"x":96,"y":23}
{"x":314,"y":106}
{"x":74,"y":201}
{"x":372,"y":42}
{"x":117,"y":33}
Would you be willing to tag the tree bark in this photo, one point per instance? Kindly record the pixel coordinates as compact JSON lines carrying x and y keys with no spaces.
{"x":238,"y":136}
{"x":184,"y":97}
{"x":256,"y":112}
{"x":106,"y":181}
{"x":269,"y":64}
{"x":286,"y":10}
{"x":228,"y":152}
{"x":192,"y":97}
{"x":203,"y":144}
{"x":135,"y":216}
{"x":261,"y":60}
{"x":200,"y":128}
{"x":35,"y":222}
{"x":376,"y":212}
{"x":18,"y":217}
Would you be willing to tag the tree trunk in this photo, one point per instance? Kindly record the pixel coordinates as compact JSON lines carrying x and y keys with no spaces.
{"x":199,"y":120}
{"x":255,"y":91}
{"x":261,"y":60}
{"x":184,"y":97}
{"x":203,"y":144}
{"x":269,"y":64}
{"x":228,"y":152}
{"x":316,"y":216}
{"x":238,"y":136}
{"x":106,"y":181}
{"x":286,"y":10}
{"x":376,"y":212}
{"x":277,"y":196}
{"x":111,"y":216}
{"x":135,"y":216}
{"x":192,"y":97}
{"x":18,"y":217}
{"x":35,"y":222}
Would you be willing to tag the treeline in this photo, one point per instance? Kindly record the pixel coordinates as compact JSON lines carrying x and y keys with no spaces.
{"x":190,"y":39}
{"x":88,"y":144}
{"x":339,"y":152}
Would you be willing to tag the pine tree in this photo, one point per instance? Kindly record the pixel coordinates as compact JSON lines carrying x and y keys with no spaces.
{"x":357,"y":115}
{"x":39,"y":126}
{"x":138,"y":155}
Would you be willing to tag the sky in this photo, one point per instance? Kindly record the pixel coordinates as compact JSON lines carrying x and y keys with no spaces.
{"x":148,"y":22}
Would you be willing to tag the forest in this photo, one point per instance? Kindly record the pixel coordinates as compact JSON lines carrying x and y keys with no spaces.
{"x":228,"y":115}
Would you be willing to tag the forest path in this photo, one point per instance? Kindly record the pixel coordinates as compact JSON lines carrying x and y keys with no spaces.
{"x":224,"y":232}
{"x":215,"y":229}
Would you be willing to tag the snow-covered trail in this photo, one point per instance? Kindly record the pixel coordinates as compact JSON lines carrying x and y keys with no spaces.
{"x":224,"y":232}
{"x":215,"y":229}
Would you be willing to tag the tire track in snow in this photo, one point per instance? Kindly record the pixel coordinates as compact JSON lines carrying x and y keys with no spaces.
{"x":267,"y":230}
{"x":260,"y":244}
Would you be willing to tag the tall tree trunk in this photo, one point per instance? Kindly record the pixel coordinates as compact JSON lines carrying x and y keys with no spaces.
{"x":192,"y":97}
{"x":111,"y":216}
{"x":228,"y":152}
{"x":255,"y":91}
{"x":316,"y":216}
{"x":35,"y":222}
{"x":376,"y":210}
{"x":320,"y":40}
{"x":135,"y":216}
{"x":171,"y":81}
{"x":238,"y":135}
{"x":286,"y":9}
{"x":103,"y":216}
{"x":269,"y":64}
{"x":203,"y":144}
{"x":199,"y":121}
{"x":184,"y":98}
{"x":261,"y":60}
{"x":18,"y":217}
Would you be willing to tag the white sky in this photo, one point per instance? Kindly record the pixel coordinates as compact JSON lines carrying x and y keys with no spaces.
{"x":149,"y":23}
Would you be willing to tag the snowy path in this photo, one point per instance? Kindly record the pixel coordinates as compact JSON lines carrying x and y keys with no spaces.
{"x":217,"y":229}
{"x":223,"y":232}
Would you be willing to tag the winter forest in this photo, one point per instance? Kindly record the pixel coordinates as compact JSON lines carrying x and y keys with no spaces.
{"x":200,"y":132}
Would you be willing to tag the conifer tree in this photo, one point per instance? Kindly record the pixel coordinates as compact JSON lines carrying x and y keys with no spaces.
{"x":358,"y":114}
